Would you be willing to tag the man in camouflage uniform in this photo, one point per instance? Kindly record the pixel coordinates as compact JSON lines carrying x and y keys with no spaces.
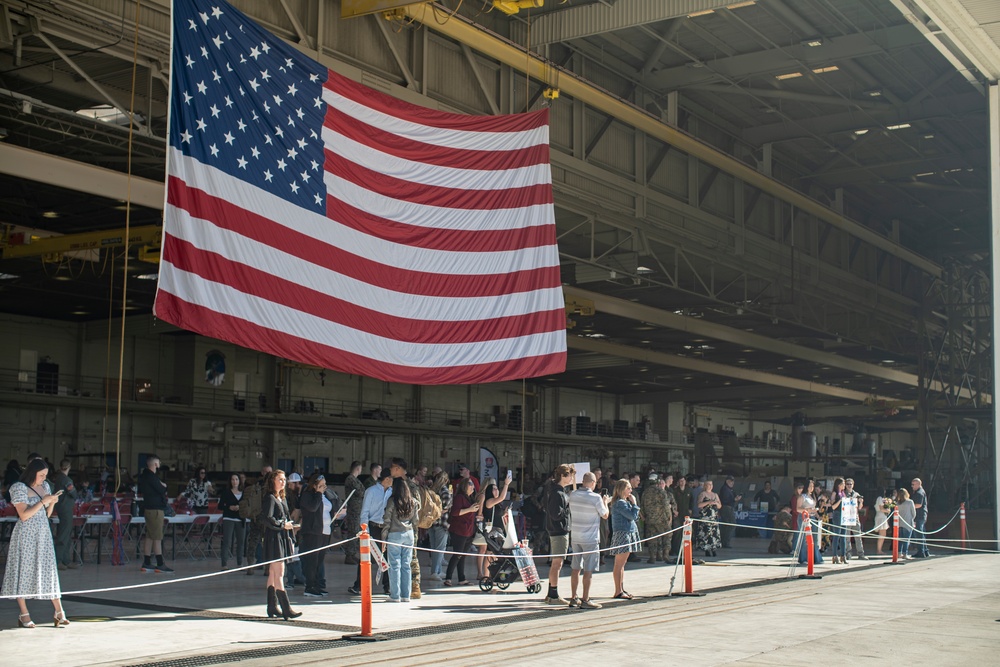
{"x":656,"y":515}
{"x":255,"y":532}
{"x":397,"y":468}
{"x":782,"y":538}
{"x":352,"y":522}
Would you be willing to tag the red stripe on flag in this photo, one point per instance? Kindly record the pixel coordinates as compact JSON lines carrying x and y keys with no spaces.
{"x":224,"y":215}
{"x":441,"y":156}
{"x":216,"y":268}
{"x":392,"y":106}
{"x":434,"y":195}
{"x":454,"y":240}
{"x":253,"y":336}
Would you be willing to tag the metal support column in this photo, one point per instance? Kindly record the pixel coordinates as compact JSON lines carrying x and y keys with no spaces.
{"x":994,"y":111}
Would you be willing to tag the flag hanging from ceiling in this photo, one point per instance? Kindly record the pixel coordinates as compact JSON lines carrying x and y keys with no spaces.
{"x":313,"y":218}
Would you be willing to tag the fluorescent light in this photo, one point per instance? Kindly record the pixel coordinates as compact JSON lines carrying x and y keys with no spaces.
{"x":872,"y":92}
{"x":50,"y":214}
{"x":147,"y":276}
{"x":814,"y":42}
{"x":704,"y":12}
{"x":860,"y":132}
{"x":789,"y":75}
{"x":824,"y":70}
{"x":926,"y":173}
{"x":643,"y":269}
{"x":901,"y":126}
{"x":8,"y":276}
{"x":740,"y":5}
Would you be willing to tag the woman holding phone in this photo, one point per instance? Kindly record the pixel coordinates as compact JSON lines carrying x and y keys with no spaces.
{"x":31,"y":558}
{"x":462,"y":521}
{"x":488,"y":499}
{"x":277,"y":543}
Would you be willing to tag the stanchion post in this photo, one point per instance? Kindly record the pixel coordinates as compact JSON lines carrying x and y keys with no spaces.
{"x":687,"y":553}
{"x":810,"y":557}
{"x":366,"y":589}
{"x":895,"y":539}
{"x":961,"y":523}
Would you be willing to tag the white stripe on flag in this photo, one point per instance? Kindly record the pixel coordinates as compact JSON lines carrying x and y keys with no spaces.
{"x":237,"y":248}
{"x":429,"y":174}
{"x":467,"y":139}
{"x":228,"y":301}
{"x":244,"y":195}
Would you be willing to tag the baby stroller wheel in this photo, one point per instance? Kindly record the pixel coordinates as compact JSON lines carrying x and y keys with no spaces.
{"x":503,"y":585}
{"x":535,"y":588}
{"x":486,"y":584}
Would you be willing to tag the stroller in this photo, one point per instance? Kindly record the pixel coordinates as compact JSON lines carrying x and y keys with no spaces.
{"x":512,"y":559}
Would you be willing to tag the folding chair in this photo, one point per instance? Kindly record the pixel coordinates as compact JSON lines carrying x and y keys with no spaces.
{"x":193,"y":541}
{"x":79,"y":537}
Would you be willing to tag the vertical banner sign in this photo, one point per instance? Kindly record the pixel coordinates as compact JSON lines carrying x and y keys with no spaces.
{"x":488,"y":465}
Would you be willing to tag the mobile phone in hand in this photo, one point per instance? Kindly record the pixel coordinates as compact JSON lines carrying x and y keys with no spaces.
{"x":510,"y":475}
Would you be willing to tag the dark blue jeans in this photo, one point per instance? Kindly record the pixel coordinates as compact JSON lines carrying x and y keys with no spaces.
{"x":919,"y":526}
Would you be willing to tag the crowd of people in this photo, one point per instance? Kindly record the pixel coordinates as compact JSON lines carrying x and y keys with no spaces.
{"x":286,"y":523}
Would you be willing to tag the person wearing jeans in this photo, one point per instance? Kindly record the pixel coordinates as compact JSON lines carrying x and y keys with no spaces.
{"x":919,"y":497}
{"x":233,"y":526}
{"x":398,"y":520}
{"x":438,"y":532}
{"x":907,"y":519}
{"x":836,"y":522}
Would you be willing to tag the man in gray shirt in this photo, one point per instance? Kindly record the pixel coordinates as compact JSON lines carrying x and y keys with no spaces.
{"x":586,"y":511}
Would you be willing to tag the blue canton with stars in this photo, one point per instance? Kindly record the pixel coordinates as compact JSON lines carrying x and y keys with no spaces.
{"x":246,"y":103}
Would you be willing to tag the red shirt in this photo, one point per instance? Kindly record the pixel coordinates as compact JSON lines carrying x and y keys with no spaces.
{"x":462,"y":525}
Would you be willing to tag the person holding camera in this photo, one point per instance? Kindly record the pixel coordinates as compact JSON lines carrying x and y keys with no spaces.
{"x":587,"y":509}
{"x":31,"y":558}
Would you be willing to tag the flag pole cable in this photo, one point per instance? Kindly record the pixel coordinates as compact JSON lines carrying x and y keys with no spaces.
{"x":128,"y":221}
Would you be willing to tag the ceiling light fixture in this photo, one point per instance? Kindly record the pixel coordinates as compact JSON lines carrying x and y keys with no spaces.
{"x":814,"y":42}
{"x":741,"y":5}
{"x":824,"y":70}
{"x":872,"y":92}
{"x":860,"y":132}
{"x":147,"y":276}
{"x":50,"y":214}
{"x":787,"y":75}
{"x":8,"y":276}
{"x":703,"y":12}
{"x":901,"y":126}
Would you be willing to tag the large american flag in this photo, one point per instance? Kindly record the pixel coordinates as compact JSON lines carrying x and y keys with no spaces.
{"x":318,"y":220}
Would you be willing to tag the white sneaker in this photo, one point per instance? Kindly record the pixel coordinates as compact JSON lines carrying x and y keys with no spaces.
{"x":435,"y":577}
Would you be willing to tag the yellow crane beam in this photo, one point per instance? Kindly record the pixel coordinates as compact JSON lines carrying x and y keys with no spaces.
{"x":51,"y":248}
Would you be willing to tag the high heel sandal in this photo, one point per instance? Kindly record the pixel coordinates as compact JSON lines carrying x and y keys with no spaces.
{"x":22,"y":624}
{"x":60,"y":620}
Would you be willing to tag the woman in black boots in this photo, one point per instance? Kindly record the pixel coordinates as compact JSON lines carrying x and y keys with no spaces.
{"x":277,"y":544}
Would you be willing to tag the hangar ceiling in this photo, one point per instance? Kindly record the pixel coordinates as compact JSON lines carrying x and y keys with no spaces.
{"x":772,"y":205}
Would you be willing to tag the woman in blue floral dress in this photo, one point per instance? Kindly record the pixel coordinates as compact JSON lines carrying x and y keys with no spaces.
{"x":31,"y":558}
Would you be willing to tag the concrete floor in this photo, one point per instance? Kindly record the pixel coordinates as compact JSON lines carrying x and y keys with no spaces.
{"x":919,"y":613}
